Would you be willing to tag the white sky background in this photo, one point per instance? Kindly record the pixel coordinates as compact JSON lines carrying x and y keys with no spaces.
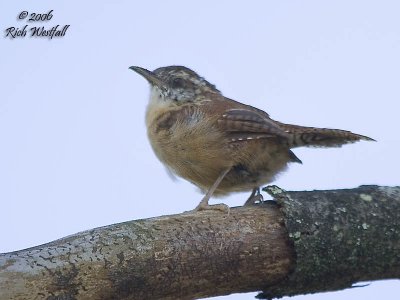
{"x":74,"y":153}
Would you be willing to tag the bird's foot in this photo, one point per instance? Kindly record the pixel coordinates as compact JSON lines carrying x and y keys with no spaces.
{"x":221,"y":207}
{"x":254,"y":197}
{"x":205,"y":206}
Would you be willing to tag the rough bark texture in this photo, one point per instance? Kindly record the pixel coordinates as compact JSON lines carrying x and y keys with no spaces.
{"x":308,"y":242}
{"x":185,"y":256}
{"x":340,"y":237}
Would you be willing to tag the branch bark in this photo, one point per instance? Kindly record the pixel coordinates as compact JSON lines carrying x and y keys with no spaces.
{"x":305,"y":242}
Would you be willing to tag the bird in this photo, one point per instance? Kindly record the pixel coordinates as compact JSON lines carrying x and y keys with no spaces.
{"x":219,"y":144}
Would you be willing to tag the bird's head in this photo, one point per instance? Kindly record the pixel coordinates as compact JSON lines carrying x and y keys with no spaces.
{"x":176,"y":84}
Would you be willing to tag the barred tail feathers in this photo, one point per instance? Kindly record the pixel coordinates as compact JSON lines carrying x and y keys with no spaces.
{"x":320,"y":137}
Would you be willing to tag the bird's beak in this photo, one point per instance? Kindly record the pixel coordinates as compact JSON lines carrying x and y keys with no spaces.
{"x":148,"y":75}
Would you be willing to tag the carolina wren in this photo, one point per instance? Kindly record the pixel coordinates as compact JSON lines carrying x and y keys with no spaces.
{"x":219,"y":144}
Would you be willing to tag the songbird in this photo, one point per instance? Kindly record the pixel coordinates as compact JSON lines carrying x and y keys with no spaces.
{"x":219,"y":144}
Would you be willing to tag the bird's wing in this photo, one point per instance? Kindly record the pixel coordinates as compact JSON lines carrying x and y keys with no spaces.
{"x":246,"y":124}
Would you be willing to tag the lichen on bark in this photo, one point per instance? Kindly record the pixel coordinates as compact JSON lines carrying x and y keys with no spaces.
{"x":340,"y":237}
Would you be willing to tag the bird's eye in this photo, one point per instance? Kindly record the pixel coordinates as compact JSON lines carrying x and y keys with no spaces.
{"x":177,"y":83}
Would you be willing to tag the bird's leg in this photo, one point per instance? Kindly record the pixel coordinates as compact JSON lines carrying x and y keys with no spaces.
{"x":255,"y":196}
{"x":203,"y":205}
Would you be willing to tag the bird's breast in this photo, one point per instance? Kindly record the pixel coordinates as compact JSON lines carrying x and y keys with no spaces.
{"x":188,"y":143}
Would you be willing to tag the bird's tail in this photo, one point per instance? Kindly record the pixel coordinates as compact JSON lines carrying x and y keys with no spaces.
{"x":320,"y":137}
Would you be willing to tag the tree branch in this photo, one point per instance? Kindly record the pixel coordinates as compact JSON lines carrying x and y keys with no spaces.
{"x":306,"y":242}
